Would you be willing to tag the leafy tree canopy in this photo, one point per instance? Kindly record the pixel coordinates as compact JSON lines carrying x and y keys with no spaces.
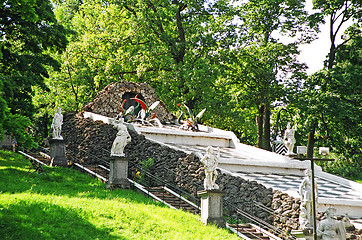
{"x":337,"y":13}
{"x":28,"y":31}
{"x":331,"y":105}
{"x":173,"y":45}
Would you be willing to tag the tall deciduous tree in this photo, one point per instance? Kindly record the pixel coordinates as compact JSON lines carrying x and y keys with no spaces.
{"x":331,"y":107}
{"x":337,"y":14}
{"x":170,"y":44}
{"x":28,"y":30}
{"x":271,"y":63}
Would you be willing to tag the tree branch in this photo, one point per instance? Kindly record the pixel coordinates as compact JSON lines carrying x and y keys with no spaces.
{"x":131,"y":10}
{"x":148,"y":70}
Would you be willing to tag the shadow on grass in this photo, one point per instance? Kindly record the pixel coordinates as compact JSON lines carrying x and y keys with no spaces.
{"x":40,"y":220}
{"x":16,"y":178}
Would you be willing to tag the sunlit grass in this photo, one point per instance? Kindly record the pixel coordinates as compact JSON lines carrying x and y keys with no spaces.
{"x":62,"y":203}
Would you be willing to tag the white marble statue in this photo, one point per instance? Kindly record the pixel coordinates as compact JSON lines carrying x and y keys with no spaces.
{"x":57,"y":124}
{"x":210,"y":161}
{"x":289,"y":139}
{"x":331,"y":229}
{"x":122,"y":138}
{"x":305,"y":192}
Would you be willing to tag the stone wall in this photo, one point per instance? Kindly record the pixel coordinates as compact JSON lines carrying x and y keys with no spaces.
{"x":110,"y":98}
{"x":287,"y":209}
{"x":239,"y":192}
{"x":86,"y":139}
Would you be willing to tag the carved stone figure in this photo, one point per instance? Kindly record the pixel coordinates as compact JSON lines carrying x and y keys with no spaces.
{"x":331,"y":229}
{"x":289,"y":139}
{"x":122,"y":138}
{"x":305,"y":192}
{"x":57,"y":124}
{"x":210,"y":161}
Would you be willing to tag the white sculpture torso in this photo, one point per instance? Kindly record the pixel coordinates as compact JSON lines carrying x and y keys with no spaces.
{"x":305,"y":192}
{"x":289,"y":139}
{"x":210,"y":161}
{"x":121,"y":140}
{"x":331,"y":229}
{"x":57,"y":124}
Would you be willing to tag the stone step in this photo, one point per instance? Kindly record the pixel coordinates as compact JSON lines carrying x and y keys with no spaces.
{"x":173,"y":200}
{"x":240,"y":225}
{"x":248,"y":230}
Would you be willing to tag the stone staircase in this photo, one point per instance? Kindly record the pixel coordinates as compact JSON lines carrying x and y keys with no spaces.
{"x":271,"y":169}
{"x":174,"y":199}
{"x":250,"y":231}
{"x":167,"y":196}
{"x":265,"y":167}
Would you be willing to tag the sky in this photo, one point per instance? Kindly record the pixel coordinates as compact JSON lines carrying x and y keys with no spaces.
{"x":315,"y":53}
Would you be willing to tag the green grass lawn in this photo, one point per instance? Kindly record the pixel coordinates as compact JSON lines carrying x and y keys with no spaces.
{"x":62,"y":203}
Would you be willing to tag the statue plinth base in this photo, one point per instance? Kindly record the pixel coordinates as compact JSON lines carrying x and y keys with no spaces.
{"x":306,"y":234}
{"x":119,"y":172}
{"x":57,"y":153}
{"x":212,"y":207}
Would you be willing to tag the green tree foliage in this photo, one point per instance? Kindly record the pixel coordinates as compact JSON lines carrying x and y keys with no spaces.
{"x":28,"y":31}
{"x":337,"y":13}
{"x":3,"y":108}
{"x":263,"y":18}
{"x":172,"y":45}
{"x":262,"y":67}
{"x":179,"y":47}
{"x":331,"y":109}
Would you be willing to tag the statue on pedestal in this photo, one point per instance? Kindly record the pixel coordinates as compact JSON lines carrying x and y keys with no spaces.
{"x":122,"y":138}
{"x":57,"y":124}
{"x":289,"y":139}
{"x":305,"y":192}
{"x":210,"y":161}
{"x":331,"y":229}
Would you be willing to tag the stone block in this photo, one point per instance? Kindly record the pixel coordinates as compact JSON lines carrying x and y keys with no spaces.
{"x":119,"y":172}
{"x":57,"y":153}
{"x":212,"y":207}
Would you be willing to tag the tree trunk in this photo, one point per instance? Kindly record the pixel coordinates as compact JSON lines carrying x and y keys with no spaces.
{"x":267,"y":128}
{"x":259,"y":122}
{"x":332,"y":37}
{"x":310,"y":145}
{"x":181,"y":31}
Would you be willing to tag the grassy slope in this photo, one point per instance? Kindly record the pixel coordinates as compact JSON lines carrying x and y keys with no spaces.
{"x":65,"y":204}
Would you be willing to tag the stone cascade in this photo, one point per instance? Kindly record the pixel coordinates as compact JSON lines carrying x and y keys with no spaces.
{"x":85,"y":136}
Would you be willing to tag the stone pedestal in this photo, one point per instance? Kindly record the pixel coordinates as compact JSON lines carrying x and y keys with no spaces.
{"x":306,"y":234}
{"x":119,"y":172}
{"x":212,"y":207}
{"x":57,"y":153}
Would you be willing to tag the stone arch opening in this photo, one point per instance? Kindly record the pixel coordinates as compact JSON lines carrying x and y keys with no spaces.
{"x":131,"y":102}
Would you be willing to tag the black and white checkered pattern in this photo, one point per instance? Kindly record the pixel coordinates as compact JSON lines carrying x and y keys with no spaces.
{"x":284,"y":183}
{"x":326,"y":188}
